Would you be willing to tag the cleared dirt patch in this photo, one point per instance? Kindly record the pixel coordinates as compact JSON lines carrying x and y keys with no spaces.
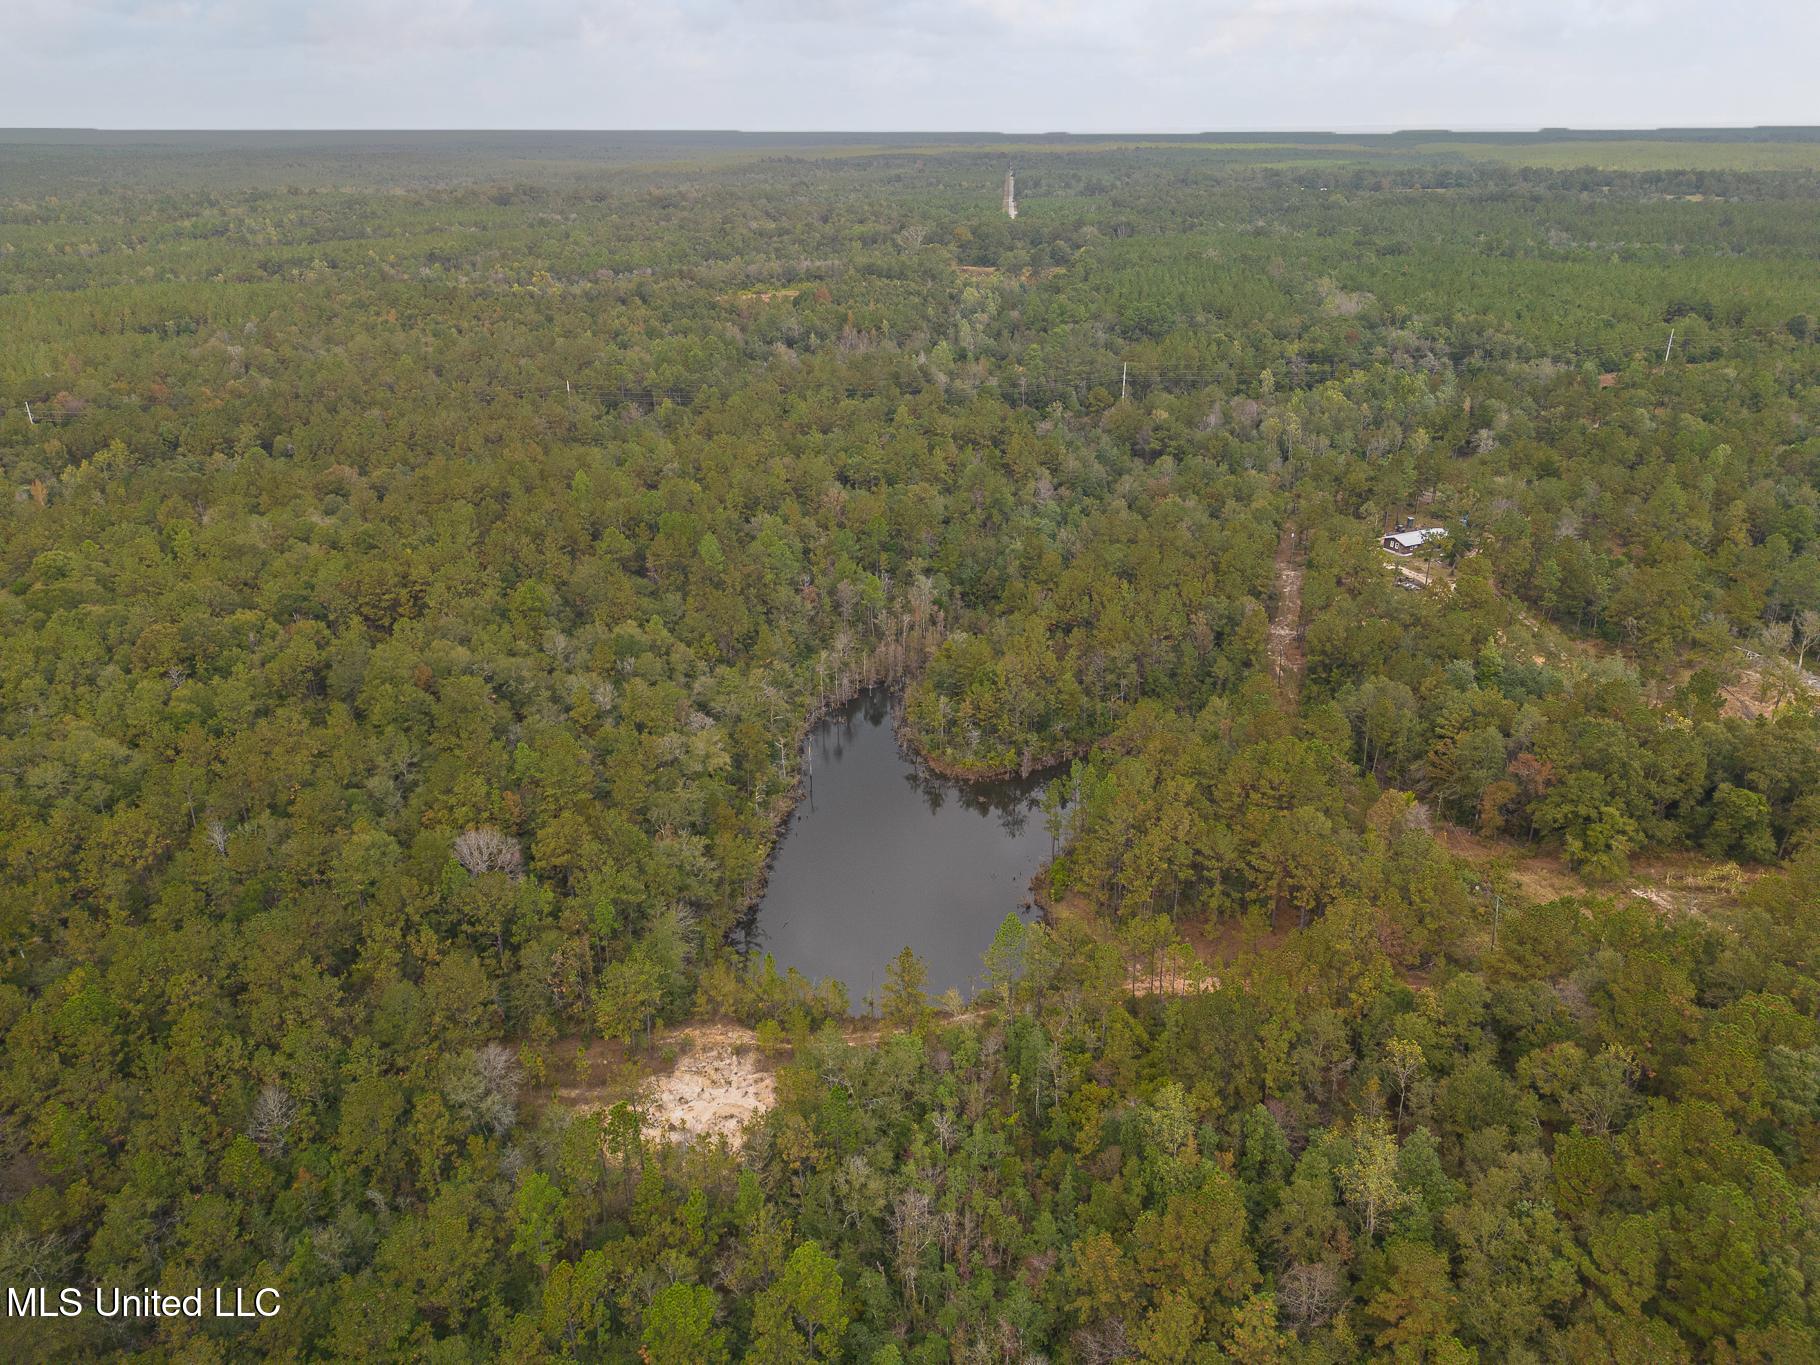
{"x":720,"y":1084}
{"x":1688,"y":884}
{"x":761,"y":295}
{"x":1675,"y":883}
{"x":1746,"y":696}
{"x":1764,"y":685}
{"x":1542,"y":875}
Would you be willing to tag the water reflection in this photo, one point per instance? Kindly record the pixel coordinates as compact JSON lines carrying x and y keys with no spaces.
{"x":882,"y":852}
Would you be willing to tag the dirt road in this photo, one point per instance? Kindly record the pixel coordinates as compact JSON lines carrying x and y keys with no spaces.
{"x":1286,"y":658}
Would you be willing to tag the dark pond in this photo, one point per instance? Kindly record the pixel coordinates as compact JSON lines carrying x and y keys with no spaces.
{"x":881,"y":853}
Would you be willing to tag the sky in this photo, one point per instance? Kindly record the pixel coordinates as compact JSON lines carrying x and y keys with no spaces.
{"x":999,"y":65}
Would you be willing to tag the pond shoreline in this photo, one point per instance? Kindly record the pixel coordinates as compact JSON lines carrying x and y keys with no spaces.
{"x":1027,"y":766}
{"x":889,"y":668}
{"x":888,"y":849}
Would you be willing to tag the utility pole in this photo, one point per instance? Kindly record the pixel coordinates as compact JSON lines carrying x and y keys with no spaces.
{"x":1671,"y":345}
{"x":1125,"y":382}
{"x":30,"y":420}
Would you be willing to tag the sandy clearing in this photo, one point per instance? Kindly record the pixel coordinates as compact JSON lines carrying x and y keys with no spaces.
{"x":719,"y":1085}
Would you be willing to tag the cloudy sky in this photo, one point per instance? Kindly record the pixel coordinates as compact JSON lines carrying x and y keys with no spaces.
{"x":1010,"y":65}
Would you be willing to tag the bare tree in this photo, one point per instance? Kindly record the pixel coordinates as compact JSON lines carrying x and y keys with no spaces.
{"x":273,"y":1113}
{"x":25,"y":1259}
{"x":1775,"y":637}
{"x":945,"y":1129}
{"x":1102,"y":1342}
{"x":922,"y":598}
{"x":485,"y":849}
{"x":1809,"y":621}
{"x":1309,"y":1294}
{"x":483,"y":1087}
{"x":912,"y":1223}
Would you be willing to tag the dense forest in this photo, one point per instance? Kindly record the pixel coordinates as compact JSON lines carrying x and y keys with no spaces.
{"x":422,"y":561}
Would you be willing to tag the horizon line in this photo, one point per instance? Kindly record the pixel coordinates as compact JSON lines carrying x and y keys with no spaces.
{"x":1372,"y":130}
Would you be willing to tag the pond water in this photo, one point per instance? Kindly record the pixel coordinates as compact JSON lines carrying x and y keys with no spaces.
{"x":882,"y":853}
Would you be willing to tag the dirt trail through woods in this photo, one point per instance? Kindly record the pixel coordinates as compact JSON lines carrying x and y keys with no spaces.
{"x":1678,"y":883}
{"x":1286,"y":658}
{"x":722,"y":1080}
